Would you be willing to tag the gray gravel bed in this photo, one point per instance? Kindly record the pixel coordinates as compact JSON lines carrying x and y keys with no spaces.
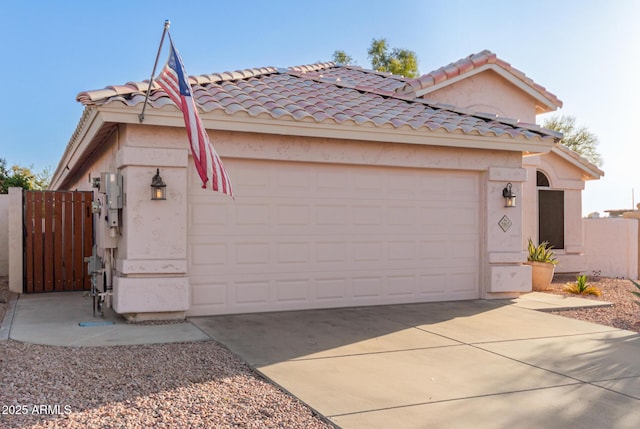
{"x":179,"y":385}
{"x":625,"y":312}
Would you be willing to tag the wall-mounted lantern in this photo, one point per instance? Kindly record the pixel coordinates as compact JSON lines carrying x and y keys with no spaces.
{"x":509,"y":196}
{"x":158,"y":187}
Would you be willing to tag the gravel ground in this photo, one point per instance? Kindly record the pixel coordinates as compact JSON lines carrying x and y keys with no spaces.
{"x":4,"y":296}
{"x":186,"y":385}
{"x":625,"y":312}
{"x":189,"y":385}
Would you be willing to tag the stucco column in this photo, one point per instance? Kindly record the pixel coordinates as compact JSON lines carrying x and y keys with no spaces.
{"x":504,"y":271}
{"x":150,"y":280}
{"x":15,"y":240}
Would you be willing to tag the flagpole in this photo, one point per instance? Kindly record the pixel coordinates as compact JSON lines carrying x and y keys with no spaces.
{"x":153,"y":72}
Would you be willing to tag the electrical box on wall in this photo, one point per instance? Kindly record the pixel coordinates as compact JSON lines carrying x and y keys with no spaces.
{"x":111,"y":187}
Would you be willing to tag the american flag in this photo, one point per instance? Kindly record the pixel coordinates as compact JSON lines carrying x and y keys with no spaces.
{"x":175,"y":81}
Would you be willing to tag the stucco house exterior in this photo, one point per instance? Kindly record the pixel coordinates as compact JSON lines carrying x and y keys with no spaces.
{"x":552,"y":194}
{"x":352,"y":187}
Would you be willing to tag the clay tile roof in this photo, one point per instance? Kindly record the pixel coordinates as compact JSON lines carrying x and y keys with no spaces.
{"x":466,"y":65}
{"x":321,"y":93}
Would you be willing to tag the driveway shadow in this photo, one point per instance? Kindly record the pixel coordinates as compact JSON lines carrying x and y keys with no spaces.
{"x":266,"y":338}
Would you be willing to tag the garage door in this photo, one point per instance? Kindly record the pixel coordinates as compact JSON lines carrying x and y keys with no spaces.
{"x":309,"y":235}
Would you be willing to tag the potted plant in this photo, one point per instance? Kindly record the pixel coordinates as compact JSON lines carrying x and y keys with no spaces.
{"x":543,"y":264}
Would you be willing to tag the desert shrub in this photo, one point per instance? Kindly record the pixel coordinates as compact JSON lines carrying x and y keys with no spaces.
{"x":581,"y":287}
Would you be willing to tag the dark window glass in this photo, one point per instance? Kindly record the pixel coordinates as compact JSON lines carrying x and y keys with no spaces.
{"x":551,"y":217}
{"x":541,"y":179}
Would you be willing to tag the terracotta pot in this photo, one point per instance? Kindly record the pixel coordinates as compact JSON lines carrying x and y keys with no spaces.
{"x":541,"y":275}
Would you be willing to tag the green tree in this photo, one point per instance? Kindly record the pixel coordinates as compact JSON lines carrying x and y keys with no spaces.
{"x":398,"y":61}
{"x":341,"y":57}
{"x":22,"y":177}
{"x":579,"y":139}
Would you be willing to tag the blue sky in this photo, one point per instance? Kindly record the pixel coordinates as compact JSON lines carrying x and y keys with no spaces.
{"x":584,"y":51}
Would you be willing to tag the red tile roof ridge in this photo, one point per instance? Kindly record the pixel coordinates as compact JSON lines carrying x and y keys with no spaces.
{"x":92,"y":96}
{"x":305,"y":68}
{"x":467,"y":65}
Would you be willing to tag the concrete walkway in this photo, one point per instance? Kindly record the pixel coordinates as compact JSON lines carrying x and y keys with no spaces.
{"x":66,"y":319}
{"x":478,"y":364}
{"x":472,"y":364}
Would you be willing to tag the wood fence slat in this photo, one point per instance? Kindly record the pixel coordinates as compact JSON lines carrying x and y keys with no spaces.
{"x":78,"y":263}
{"x":58,"y":247}
{"x":67,"y":240}
{"x":28,"y":241}
{"x":48,"y":242}
{"x":38,"y":251}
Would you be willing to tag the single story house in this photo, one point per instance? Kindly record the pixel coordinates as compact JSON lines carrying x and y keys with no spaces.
{"x":352,"y":187}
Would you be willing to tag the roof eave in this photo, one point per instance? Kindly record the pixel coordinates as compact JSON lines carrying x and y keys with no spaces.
{"x":590,"y":171}
{"x":269,"y":125}
{"x":98,"y":121}
{"x":89,"y":125}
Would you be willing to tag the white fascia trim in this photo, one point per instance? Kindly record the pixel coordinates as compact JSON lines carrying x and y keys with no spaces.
{"x":502,"y":72}
{"x":76,"y":148}
{"x":268,"y":125}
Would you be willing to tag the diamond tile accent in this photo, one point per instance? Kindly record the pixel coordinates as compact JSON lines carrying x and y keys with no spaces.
{"x":505,"y":223}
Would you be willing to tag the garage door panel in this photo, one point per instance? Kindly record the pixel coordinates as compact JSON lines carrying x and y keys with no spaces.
{"x":366,"y":288}
{"x":250,"y":293}
{"x":208,"y":293}
{"x":303,"y":235}
{"x":292,"y":214}
{"x":252,"y":253}
{"x":292,"y":252}
{"x":251,"y":214}
{"x":327,"y":250}
{"x":331,"y":289}
{"x":318,"y":290}
{"x":463,"y":284}
{"x":330,"y":183}
{"x":209,"y":255}
{"x":402,"y":285}
{"x":331,"y":215}
{"x":207,"y":213}
{"x":367,"y":215}
{"x":432,"y":286}
{"x":304,"y":252}
{"x":402,"y":250}
{"x":294,"y":290}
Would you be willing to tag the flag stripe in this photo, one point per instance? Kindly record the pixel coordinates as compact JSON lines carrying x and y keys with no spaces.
{"x":174,"y":80}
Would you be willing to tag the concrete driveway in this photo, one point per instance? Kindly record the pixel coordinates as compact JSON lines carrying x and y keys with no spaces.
{"x":477,"y":364}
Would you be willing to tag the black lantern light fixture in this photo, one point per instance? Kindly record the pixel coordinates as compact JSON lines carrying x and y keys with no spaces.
{"x":509,"y":196}
{"x":158,"y":187}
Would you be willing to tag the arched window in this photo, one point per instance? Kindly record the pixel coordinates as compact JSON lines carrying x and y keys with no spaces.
{"x":542,"y":179}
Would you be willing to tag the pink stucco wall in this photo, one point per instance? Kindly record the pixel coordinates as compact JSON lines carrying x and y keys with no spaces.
{"x":488,"y":92}
{"x":611,"y":247}
{"x":4,"y":235}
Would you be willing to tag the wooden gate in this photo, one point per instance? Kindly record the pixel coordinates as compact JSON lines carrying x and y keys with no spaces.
{"x":58,"y":235}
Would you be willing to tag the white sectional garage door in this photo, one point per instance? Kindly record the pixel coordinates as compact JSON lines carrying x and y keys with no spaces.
{"x":310,"y":235}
